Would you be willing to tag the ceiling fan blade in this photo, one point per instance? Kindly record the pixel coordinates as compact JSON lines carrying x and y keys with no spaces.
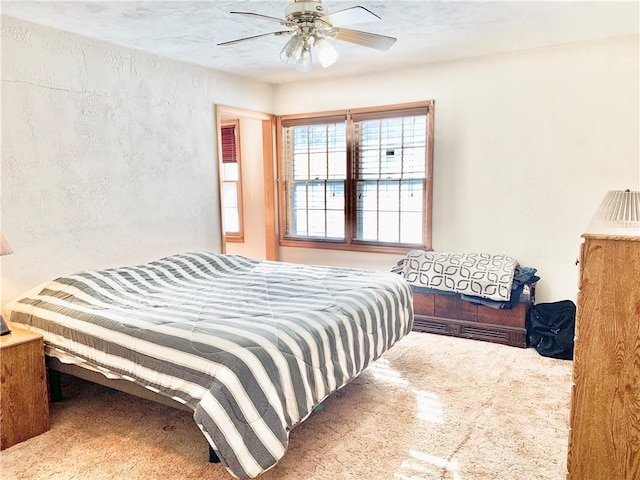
{"x":351,"y":16}
{"x":266,"y":17}
{"x":240,"y":40}
{"x":366,"y":39}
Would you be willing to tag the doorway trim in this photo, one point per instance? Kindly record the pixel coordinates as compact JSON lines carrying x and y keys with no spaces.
{"x":225,"y":112}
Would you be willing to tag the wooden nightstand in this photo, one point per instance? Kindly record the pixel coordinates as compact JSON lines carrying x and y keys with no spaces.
{"x":24,"y":402}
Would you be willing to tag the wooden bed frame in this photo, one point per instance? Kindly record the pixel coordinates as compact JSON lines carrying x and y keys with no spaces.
{"x":55,"y":367}
{"x":448,"y":314}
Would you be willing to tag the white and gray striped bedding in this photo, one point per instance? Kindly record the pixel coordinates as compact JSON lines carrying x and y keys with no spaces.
{"x":251,"y":346}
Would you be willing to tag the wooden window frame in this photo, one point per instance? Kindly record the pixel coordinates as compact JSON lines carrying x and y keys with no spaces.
{"x":349,"y":243}
{"x":234,"y":237}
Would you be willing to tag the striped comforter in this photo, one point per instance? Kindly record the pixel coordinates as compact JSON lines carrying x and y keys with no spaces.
{"x":251,"y":346}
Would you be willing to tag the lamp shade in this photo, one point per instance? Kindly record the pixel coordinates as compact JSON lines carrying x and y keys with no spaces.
{"x":619,"y":213}
{"x":304,"y":62}
{"x":5,"y":248}
{"x":327,"y":55}
{"x":292,"y":50}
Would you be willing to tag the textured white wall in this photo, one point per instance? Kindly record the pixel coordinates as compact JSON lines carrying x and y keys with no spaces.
{"x":526,"y":146}
{"x":104,"y":151}
{"x":108,"y":154}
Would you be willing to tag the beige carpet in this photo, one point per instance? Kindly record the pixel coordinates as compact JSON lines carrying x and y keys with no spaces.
{"x":433,"y":407}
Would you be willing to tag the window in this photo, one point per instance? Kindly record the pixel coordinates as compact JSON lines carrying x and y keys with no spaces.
{"x":231,"y":181}
{"x":359,"y":179}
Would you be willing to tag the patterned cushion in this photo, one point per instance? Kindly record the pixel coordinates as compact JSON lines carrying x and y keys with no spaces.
{"x":478,"y":274}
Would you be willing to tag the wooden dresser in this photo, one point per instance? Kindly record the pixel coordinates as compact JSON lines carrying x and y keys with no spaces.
{"x":604,"y":440}
{"x":24,"y":402}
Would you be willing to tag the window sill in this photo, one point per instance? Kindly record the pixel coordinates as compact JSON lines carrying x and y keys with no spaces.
{"x":231,"y":239}
{"x":354,"y":247}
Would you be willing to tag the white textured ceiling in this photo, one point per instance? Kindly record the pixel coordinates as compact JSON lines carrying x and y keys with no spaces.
{"x":427,"y":31}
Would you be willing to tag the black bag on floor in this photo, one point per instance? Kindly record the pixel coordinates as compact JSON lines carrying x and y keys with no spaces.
{"x":551,"y":328}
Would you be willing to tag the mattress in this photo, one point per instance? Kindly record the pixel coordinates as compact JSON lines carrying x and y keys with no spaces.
{"x":250,"y":346}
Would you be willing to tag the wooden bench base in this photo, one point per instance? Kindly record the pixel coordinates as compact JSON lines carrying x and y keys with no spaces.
{"x":450,"y":315}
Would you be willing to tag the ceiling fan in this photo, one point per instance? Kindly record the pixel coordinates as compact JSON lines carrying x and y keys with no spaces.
{"x":310,"y":25}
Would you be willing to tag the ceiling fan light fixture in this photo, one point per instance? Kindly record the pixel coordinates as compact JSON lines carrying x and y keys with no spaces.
{"x":291,"y":52}
{"x":310,"y":25}
{"x":326,"y":53}
{"x":305,"y":60}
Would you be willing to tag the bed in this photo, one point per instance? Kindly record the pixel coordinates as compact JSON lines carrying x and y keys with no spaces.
{"x":251,"y":347}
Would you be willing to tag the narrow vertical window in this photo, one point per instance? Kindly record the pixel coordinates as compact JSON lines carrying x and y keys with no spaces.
{"x":231,"y":181}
